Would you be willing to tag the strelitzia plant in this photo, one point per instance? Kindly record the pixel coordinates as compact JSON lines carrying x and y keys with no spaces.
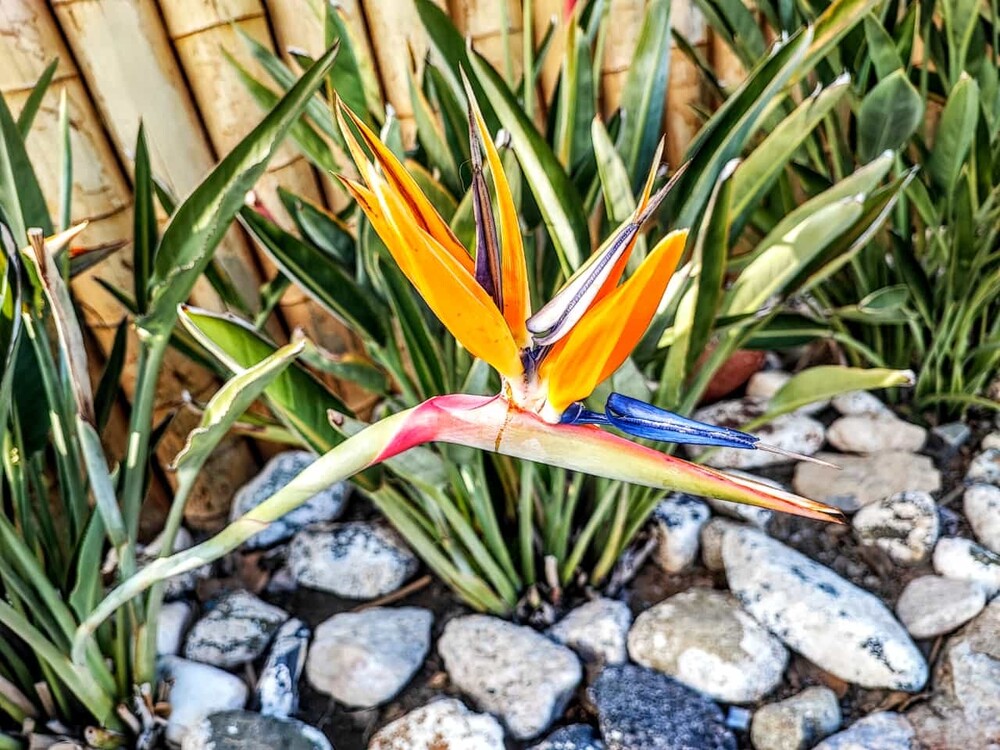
{"x":548,"y":361}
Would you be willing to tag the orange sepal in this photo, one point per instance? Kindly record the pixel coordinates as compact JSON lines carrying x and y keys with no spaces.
{"x":607,"y":334}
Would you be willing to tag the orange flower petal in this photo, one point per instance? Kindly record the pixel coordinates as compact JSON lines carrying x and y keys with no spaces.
{"x":421,"y":210}
{"x":451,"y":292}
{"x":606,"y":335}
{"x":513,"y":272}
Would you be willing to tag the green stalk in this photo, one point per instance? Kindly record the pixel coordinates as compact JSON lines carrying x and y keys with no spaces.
{"x":614,"y":543}
{"x":528,"y":55}
{"x":583,"y":541}
{"x":525,"y":523}
{"x":10,"y":743}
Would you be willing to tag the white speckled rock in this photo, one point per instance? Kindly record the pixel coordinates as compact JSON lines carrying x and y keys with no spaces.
{"x":796,"y":723}
{"x":702,"y":638}
{"x":981,"y":505}
{"x":711,"y":542}
{"x":792,"y":432}
{"x":875,"y":433}
{"x":363,"y":659}
{"x":765,"y":383}
{"x":985,"y":468}
{"x":861,"y":480}
{"x":964,"y":710}
{"x":596,"y":631}
{"x":511,"y":671}
{"x":170,"y":627}
{"x":905,"y":526}
{"x":573,"y":737}
{"x":964,"y":560}
{"x":196,"y":692}
{"x":355,"y":560}
{"x":246,"y":730}
{"x":235,"y":631}
{"x":796,"y":598}
{"x":324,"y":506}
{"x":880,"y":731}
{"x":991,"y":441}
{"x":442,"y":725}
{"x":856,"y":403}
{"x":677,"y":521}
{"x":278,"y":684}
{"x":931,"y":605}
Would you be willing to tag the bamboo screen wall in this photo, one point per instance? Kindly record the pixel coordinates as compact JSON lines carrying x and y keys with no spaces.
{"x":159,"y":61}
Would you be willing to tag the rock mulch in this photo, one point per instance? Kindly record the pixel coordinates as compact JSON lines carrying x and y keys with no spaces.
{"x":746,"y":630}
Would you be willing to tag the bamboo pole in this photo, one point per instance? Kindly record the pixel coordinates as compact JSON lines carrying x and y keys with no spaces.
{"x":100,"y":194}
{"x":619,"y":47}
{"x":483,"y":21}
{"x":142,"y":82}
{"x":395,"y":31}
{"x":544,"y":13}
{"x":200,"y":29}
{"x":681,"y":120}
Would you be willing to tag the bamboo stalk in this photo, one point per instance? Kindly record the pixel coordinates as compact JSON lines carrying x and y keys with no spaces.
{"x":199,"y":30}
{"x":681,"y":120}
{"x":395,"y":31}
{"x":100,"y":193}
{"x":544,"y":12}
{"x":619,"y":47}
{"x":484,"y":22}
{"x":133,"y":82}
{"x":727,"y":66}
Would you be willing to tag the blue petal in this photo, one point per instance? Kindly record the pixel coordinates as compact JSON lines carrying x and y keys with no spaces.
{"x":578,"y":414}
{"x":639,"y":419}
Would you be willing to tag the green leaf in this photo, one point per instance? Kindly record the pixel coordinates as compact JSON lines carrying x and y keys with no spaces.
{"x":576,"y":101}
{"x":22,"y":204}
{"x":229,"y":403}
{"x":832,"y":25}
{"x":881,"y":48}
{"x":825,"y":382}
{"x":109,"y":386}
{"x":144,"y":230}
{"x":89,"y":557}
{"x":955,"y":133}
{"x":319,"y":275}
{"x":352,"y":76}
{"x":645,"y":93}
{"x":34,"y":101}
{"x":889,"y":115}
{"x":619,"y":202}
{"x":765,"y":163}
{"x":323,"y":229}
{"x":201,"y":221}
{"x":558,"y":200}
{"x":432,"y":137}
{"x":960,"y":20}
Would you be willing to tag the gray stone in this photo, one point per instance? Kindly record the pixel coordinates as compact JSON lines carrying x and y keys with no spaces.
{"x":861,"y":480}
{"x":278,"y":686}
{"x":245,"y":730}
{"x":170,"y":627}
{"x":985,"y":468}
{"x":796,"y":723}
{"x":641,"y":709}
{"x":964,"y":560}
{"x":964,"y":710}
{"x":702,"y":638}
{"x":445,"y":724}
{"x":857,"y":403}
{"x":596,"y":631}
{"x":931,"y":605}
{"x":905,"y":526}
{"x":791,"y":432}
{"x":509,"y":670}
{"x":573,"y":737}
{"x":796,"y":598}
{"x":235,"y":631}
{"x":363,"y":659}
{"x":869,"y":433}
{"x":879,"y":731}
{"x":326,"y":505}
{"x":711,"y":542}
{"x":196,"y":692}
{"x":677,"y":521}
{"x":981,"y":505}
{"x":952,"y":435}
{"x":355,"y":560}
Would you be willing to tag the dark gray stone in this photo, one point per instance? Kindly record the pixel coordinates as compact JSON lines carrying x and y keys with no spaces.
{"x":640,"y":709}
{"x":245,"y":730}
{"x":235,"y":631}
{"x":574,"y":737}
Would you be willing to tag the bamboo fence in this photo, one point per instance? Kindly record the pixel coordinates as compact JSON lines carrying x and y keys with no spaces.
{"x":160,"y":62}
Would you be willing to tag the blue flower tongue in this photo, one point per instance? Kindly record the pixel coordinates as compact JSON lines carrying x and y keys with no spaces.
{"x":643,"y":420}
{"x":578,"y":414}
